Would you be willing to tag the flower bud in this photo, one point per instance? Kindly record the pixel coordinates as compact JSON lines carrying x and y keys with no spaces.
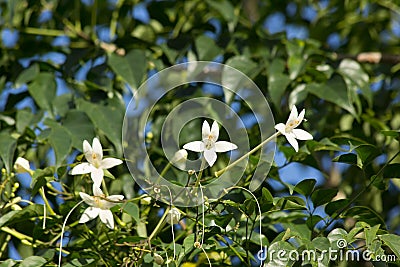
{"x":145,"y":200}
{"x":197,"y":244}
{"x":179,"y":159}
{"x":173,"y":216}
{"x":158,"y":259}
{"x":21,"y":165}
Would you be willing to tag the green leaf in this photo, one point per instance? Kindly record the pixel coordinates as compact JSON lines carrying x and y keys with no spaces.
{"x":79,"y":126}
{"x":8,"y":263}
{"x":7,"y":148}
{"x":297,"y":95}
{"x":277,"y":81}
{"x":223,"y":220}
{"x":364,"y":214}
{"x":322,"y":196}
{"x":4,"y":219}
{"x":355,"y":78}
{"x":131,"y":67}
{"x":393,"y":242}
{"x":231,"y":80}
{"x":336,"y":205}
{"x":334,"y":91}
{"x":323,"y":145}
{"x":391,"y":133}
{"x":367,"y":153}
{"x":106,"y":117}
{"x":59,"y":139}
{"x":188,"y":243}
{"x":276,"y":261}
{"x":43,"y":90}
{"x":392,"y":171}
{"x":224,"y":7}
{"x":132,"y":209}
{"x":40,"y":178}
{"x":27,"y":75}
{"x":296,"y":58}
{"x":305,"y":187}
{"x":17,"y":216}
{"x":313,"y":220}
{"x":79,"y":262}
{"x":370,"y":234}
{"x":206,"y":48}
{"x":23,"y":119}
{"x":349,"y":158}
{"x":33,"y":261}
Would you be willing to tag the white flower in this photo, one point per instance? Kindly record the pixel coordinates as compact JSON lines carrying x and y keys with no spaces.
{"x":99,"y":206}
{"x":21,"y":165}
{"x":179,"y":159}
{"x":158,"y":259}
{"x":289,"y":131}
{"x":209,"y":145}
{"x":173,"y":216}
{"x":96,"y":164}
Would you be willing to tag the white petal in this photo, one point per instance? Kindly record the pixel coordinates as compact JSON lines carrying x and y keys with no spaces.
{"x":302,"y":135}
{"x":281,"y":128}
{"x":179,"y":156}
{"x":108,"y":163}
{"x":97,"y":176}
{"x":291,"y":139}
{"x":87,"y":150}
{"x":97,"y":149}
{"x":82,"y":168}
{"x":293,"y":114}
{"x":106,"y":217}
{"x":205,"y":131}
{"x":301,"y":117}
{"x":196,"y":146}
{"x":109,"y":204}
{"x":115,"y":197}
{"x":223,"y":146}
{"x":88,"y":199}
{"x":21,"y":165}
{"x":210,"y":157}
{"x":97,"y":191}
{"x":89,"y":214}
{"x":215,"y":131}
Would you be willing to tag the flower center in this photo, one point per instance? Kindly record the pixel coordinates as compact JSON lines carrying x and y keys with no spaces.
{"x":209,"y":143}
{"x":95,"y":159}
{"x":98,"y":201}
{"x":291,"y":125}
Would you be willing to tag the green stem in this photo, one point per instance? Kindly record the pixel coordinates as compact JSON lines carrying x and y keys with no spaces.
{"x":220,"y":172}
{"x":158,"y":226}
{"x":203,"y":163}
{"x":46,"y":32}
{"x":46,"y":202}
{"x":103,"y":183}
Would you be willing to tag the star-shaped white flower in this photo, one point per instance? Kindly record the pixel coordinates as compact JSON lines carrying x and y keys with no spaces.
{"x":209,"y":145}
{"x":99,"y":206}
{"x":96,"y":164}
{"x":289,"y":131}
{"x":21,"y":165}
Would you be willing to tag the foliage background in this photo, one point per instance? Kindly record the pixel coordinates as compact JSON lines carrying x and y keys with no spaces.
{"x":67,"y":72}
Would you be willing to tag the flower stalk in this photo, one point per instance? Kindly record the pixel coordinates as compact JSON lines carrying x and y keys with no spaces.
{"x":220,"y":172}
